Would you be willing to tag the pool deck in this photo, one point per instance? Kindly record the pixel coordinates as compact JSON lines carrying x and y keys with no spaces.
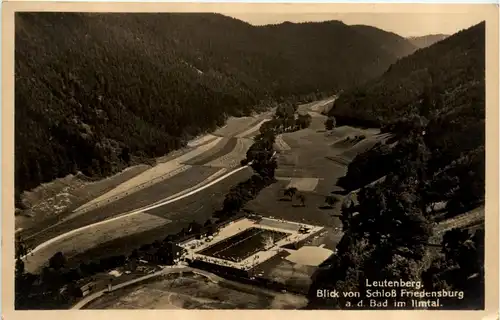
{"x":194,"y":246}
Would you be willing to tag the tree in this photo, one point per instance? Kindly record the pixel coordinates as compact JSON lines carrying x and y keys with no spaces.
{"x":21,"y":250}
{"x":330,"y":123}
{"x":23,"y":284}
{"x":57,"y":261}
{"x":290,"y":192}
{"x":233,"y":202}
{"x":262,"y":155}
{"x":286,"y":114}
{"x":330,"y":201}
{"x":303,"y":121}
{"x":134,"y":254}
{"x":460,"y":266}
{"x":194,"y":228}
{"x":302,"y":198}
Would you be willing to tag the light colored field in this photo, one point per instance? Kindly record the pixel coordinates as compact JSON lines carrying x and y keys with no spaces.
{"x":281,"y":145}
{"x":315,"y":114}
{"x":211,"y":178}
{"x":309,"y":255}
{"x":316,"y":105}
{"x":201,"y":140}
{"x":303,"y":184}
{"x":89,"y":238}
{"x":56,"y":197}
{"x":363,"y":146}
{"x":157,"y":173}
{"x":252,"y":130}
{"x":233,"y":158}
{"x":234,"y":126}
{"x":345,"y":131}
{"x":474,"y":216}
{"x":323,"y":104}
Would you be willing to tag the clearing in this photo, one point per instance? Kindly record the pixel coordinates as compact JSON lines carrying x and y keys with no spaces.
{"x":81,"y":241}
{"x":146,"y":196}
{"x":158,"y":173}
{"x":198,"y":207}
{"x":233,"y":158}
{"x":51,"y":200}
{"x":303,"y":184}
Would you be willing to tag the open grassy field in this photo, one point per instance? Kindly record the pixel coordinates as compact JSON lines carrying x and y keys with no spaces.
{"x":280,"y":144}
{"x":271,"y":202}
{"x":198,"y":207}
{"x":303,"y":184}
{"x":52,"y":200}
{"x":225,"y":146}
{"x":201,"y":140}
{"x":233,"y":158}
{"x":81,"y":241}
{"x":133,"y":201}
{"x":161,"y":171}
{"x":470,"y":218}
{"x":316,"y":106}
{"x":236,"y":126}
{"x":192,"y":292}
{"x":206,"y":201}
{"x":252,"y":131}
{"x":363,"y":145}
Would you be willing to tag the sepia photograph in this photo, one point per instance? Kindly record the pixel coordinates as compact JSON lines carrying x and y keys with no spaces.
{"x":210,"y":159}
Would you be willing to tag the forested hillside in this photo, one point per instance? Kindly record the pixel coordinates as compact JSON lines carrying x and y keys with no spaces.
{"x":388,"y":41}
{"x":434,"y":103}
{"x":96,"y":92}
{"x":426,"y":41}
{"x":440,"y":89}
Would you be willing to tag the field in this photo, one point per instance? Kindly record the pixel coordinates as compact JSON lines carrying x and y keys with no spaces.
{"x":317,"y":106}
{"x":222,"y":148}
{"x":243,"y":245}
{"x":201,"y":140}
{"x":252,"y":131}
{"x":236,"y":126}
{"x":57,"y":198}
{"x":194,"y":292}
{"x":271,"y":202}
{"x":81,"y":241}
{"x":303,"y":184}
{"x":160,"y":171}
{"x":198,"y":207}
{"x":234,"y":157}
{"x":133,"y":201}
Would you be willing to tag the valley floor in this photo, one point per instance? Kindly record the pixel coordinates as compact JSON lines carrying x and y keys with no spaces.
{"x":116,"y":224}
